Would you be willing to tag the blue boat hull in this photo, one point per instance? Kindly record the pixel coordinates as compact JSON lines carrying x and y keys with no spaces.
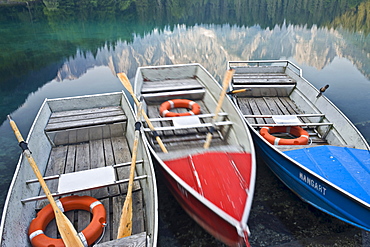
{"x":313,"y":189}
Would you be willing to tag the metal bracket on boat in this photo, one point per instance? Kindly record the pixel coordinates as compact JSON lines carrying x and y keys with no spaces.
{"x":36,"y":198}
{"x":202,"y":125}
{"x":289,"y":120}
{"x":57,"y":176}
{"x":85,"y":180}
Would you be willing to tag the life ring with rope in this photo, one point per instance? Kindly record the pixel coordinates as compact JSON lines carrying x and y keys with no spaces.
{"x":164,"y":109}
{"x":302,"y":135}
{"x":88,"y":236}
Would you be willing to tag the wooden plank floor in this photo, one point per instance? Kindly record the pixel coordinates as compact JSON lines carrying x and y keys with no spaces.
{"x":94,"y":154}
{"x":273,"y":106}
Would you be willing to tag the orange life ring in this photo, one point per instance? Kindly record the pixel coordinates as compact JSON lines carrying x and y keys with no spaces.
{"x":295,"y":130}
{"x":88,"y":236}
{"x":164,"y":109}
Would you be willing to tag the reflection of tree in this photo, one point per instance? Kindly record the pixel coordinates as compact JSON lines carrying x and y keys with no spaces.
{"x":356,"y":19}
{"x":51,"y":5}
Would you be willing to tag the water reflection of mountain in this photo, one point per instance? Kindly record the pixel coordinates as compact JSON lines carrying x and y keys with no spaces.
{"x":316,"y":47}
{"x":36,"y":36}
{"x":53,"y":30}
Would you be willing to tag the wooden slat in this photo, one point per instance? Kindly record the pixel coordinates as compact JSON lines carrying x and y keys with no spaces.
{"x":289,"y":104}
{"x":273,"y":107}
{"x":170,"y":85}
{"x":246,"y":109}
{"x":264,"y":108}
{"x":109,"y":159}
{"x":86,"y":116}
{"x":97,"y":160}
{"x":138,"y":212}
{"x":70,"y":167}
{"x":106,"y":203}
{"x":85,"y":123}
{"x":261,"y":75}
{"x":121,"y":154}
{"x":285,"y":110}
{"x":255,"y":110}
{"x":292,"y":108}
{"x":263,"y":81}
{"x":137,"y":240}
{"x":93,"y":111}
{"x":83,"y":163}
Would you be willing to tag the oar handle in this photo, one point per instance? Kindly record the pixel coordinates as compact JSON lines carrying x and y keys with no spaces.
{"x":126,"y":83}
{"x":239,"y":91}
{"x":227,"y":79}
{"x":15,"y":129}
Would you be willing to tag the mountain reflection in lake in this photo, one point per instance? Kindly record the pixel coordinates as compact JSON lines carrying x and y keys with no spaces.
{"x":60,"y":48}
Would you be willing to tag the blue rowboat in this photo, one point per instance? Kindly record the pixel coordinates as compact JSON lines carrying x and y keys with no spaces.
{"x":327,"y":162}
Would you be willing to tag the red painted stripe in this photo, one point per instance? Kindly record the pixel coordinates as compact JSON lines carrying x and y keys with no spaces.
{"x":222,"y":178}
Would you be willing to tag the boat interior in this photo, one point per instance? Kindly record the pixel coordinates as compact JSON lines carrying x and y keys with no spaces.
{"x":266,"y":101}
{"x":94,"y":158}
{"x":187,"y":132}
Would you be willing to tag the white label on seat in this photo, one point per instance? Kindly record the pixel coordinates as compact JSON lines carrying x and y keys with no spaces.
{"x":185,"y":120}
{"x":86,"y":179}
{"x":286,"y":119}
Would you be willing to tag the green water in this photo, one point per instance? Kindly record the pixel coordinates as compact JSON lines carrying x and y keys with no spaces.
{"x":54,"y":48}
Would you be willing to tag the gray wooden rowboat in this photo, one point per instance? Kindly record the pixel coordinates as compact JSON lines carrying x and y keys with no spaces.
{"x":83,"y":146}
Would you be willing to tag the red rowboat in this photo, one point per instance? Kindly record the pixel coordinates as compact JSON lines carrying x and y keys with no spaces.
{"x":207,"y":156}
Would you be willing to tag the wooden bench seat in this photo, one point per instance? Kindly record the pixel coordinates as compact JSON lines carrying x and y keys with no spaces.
{"x":156,"y":92}
{"x":82,"y":118}
{"x":274,"y":83}
{"x":170,"y":85}
{"x":77,"y":126}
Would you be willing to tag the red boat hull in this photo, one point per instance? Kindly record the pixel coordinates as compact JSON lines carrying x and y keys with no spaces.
{"x":223,"y":179}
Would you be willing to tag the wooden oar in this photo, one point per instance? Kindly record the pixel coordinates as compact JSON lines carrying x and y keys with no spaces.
{"x":125,"y":225}
{"x":126,"y":83}
{"x":228,"y":76}
{"x":239,"y":91}
{"x":67,"y":231}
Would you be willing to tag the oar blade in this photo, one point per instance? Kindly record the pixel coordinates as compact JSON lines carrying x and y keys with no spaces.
{"x":67,"y":231}
{"x":125,"y":227}
{"x":126,"y":82}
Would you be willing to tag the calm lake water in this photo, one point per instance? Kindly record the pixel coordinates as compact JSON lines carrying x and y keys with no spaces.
{"x":56,"y":48}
